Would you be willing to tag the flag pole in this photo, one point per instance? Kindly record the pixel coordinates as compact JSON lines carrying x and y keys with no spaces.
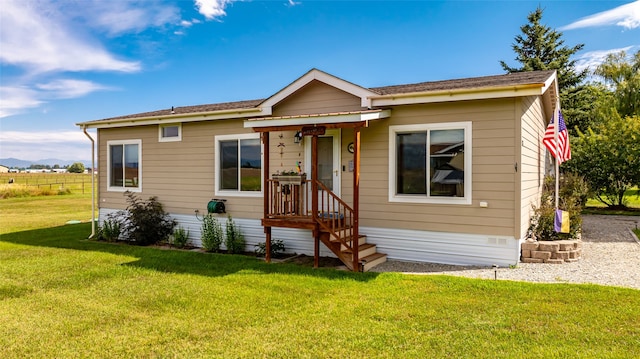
{"x":556,"y":125}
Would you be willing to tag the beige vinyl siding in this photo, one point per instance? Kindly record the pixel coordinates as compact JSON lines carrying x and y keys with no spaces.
{"x":493,"y":130}
{"x":180,"y":174}
{"x":532,"y":159}
{"x":317,"y":97}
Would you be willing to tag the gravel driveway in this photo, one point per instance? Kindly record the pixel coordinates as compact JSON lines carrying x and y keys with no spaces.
{"x":610,"y":256}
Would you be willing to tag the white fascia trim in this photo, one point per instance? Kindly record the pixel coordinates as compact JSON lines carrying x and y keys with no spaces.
{"x":330,"y":80}
{"x":191,"y":117}
{"x":459,"y":95}
{"x":314,"y":120}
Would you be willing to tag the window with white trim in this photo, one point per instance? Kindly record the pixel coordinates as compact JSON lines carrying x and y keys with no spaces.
{"x":430,"y":163}
{"x":239,"y":164}
{"x":170,"y":132}
{"x":124,"y":170}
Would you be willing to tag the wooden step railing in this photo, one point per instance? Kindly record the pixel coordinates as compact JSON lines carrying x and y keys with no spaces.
{"x":337,"y":218}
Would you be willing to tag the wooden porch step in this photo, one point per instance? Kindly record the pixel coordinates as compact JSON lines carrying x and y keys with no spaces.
{"x":364,"y":250}
{"x":373,"y":260}
{"x":362,"y":238}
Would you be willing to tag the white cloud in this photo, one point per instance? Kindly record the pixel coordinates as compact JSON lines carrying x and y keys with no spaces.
{"x":293,"y":3}
{"x":44,"y":38}
{"x":592,"y":59}
{"x":14,"y":99}
{"x":33,"y":146}
{"x":212,"y":9}
{"x":68,"y":88}
{"x":117,"y":17}
{"x":51,"y":136}
{"x":626,"y":16}
{"x":36,"y":38}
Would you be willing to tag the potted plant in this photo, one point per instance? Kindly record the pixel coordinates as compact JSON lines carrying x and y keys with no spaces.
{"x":290,"y":177}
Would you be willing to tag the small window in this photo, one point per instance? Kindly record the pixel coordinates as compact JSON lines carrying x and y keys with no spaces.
{"x":124,"y":172}
{"x":430,"y":163}
{"x":170,"y":132}
{"x":239,"y":164}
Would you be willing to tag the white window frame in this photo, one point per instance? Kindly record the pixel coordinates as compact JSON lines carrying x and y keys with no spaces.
{"x":236,"y":193}
{"x":162,"y":138}
{"x":122,"y":188}
{"x":425,"y":198}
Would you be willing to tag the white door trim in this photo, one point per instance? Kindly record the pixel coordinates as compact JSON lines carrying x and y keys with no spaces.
{"x":337,"y":165}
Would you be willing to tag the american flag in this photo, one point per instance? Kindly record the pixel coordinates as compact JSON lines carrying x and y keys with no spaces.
{"x":562,"y":151}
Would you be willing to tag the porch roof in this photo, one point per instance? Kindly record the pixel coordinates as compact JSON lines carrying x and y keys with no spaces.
{"x":334,"y":119}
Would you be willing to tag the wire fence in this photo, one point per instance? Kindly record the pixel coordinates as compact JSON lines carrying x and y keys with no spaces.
{"x":72,"y":182}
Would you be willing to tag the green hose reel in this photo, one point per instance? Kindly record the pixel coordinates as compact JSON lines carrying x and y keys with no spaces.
{"x":216,"y":206}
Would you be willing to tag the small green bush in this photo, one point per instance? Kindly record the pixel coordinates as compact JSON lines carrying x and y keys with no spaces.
{"x":572,"y":195}
{"x":110,"y":230}
{"x":180,"y":237}
{"x":234,"y":240}
{"x":146,"y":222}
{"x":277,"y":247}
{"x":212,"y":235}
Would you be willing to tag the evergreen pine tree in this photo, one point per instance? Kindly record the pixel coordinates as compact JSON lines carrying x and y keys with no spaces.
{"x":542,"y":48}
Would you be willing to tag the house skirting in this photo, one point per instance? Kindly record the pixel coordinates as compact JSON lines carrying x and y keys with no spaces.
{"x":398,"y":244}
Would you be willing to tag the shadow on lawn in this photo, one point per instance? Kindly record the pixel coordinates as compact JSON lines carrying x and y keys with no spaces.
{"x":173,"y":261}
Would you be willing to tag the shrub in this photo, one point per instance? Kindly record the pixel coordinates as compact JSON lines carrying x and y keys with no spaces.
{"x":277,"y":247}
{"x":212,"y":234}
{"x":571,"y":196}
{"x":111,"y":229}
{"x":180,"y":237}
{"x":146,"y":222}
{"x":234,"y":240}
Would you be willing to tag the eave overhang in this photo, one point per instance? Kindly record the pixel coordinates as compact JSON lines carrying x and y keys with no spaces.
{"x":175,"y":118}
{"x":466,"y":94}
{"x":335,"y":118}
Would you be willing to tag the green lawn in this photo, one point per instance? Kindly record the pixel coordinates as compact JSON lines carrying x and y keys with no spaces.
{"x":22,"y":213}
{"x":632,"y":196}
{"x":63,"y":296}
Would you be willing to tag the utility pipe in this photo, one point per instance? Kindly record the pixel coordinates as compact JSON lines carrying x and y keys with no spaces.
{"x":93,"y":186}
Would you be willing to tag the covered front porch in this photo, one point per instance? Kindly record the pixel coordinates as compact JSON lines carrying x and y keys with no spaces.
{"x":306,"y":201}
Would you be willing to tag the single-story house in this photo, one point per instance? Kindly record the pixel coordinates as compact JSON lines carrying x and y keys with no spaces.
{"x":443,"y":171}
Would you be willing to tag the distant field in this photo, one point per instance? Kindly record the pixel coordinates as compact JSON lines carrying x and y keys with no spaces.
{"x":44,"y":183}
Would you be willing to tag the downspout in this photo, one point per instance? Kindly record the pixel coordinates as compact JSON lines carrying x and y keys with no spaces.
{"x":93,"y":186}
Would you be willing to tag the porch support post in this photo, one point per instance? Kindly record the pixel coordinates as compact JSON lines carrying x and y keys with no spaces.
{"x":266,"y":193}
{"x":314,"y":199}
{"x":356,"y":198}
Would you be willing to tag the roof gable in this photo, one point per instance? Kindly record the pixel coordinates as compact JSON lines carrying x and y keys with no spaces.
{"x":315,"y":74}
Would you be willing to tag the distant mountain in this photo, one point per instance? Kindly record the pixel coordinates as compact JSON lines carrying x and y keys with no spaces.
{"x":17,"y":163}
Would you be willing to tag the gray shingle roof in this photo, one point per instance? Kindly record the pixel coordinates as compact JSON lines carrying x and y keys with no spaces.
{"x":516,"y":78}
{"x":513,"y":79}
{"x":192,"y":109}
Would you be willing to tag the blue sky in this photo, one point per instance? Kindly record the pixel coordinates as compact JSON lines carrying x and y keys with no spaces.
{"x":69,"y":61}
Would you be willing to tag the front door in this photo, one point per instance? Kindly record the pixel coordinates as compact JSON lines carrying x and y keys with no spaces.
{"x":328,"y":159}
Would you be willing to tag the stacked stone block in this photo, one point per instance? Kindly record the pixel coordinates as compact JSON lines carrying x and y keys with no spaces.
{"x":551,"y":251}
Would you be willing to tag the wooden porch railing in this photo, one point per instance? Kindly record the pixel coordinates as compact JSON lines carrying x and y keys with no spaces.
{"x":335,"y":217}
{"x":289,"y":201}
